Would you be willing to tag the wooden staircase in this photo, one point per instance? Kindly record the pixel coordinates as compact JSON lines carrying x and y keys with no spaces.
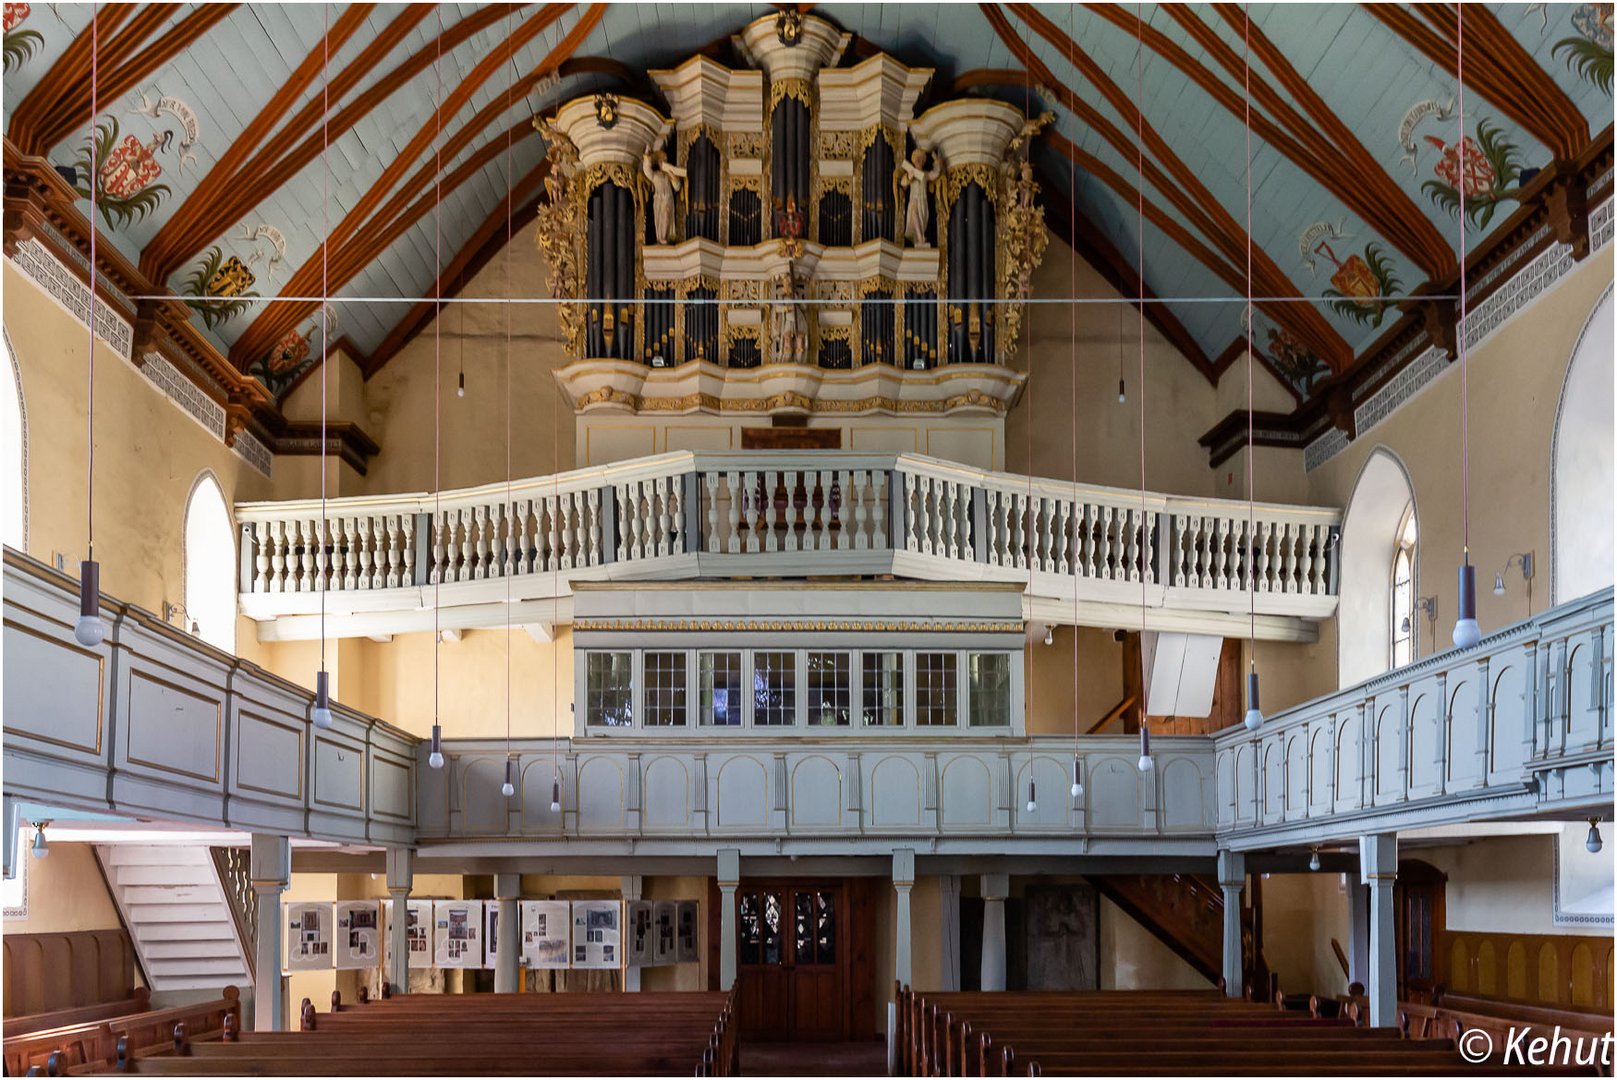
{"x":178,"y":915}
{"x":1186,"y":913}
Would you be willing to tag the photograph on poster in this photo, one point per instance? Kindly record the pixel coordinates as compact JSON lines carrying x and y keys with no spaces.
{"x":662,"y":944}
{"x":308,"y":940}
{"x":359,"y":934}
{"x":546,"y":931}
{"x":689,"y":912}
{"x":458,"y":933}
{"x":639,"y":920}
{"x":596,"y":933}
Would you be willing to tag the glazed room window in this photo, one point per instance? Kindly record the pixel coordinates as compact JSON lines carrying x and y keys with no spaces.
{"x":665,"y":689}
{"x":210,"y":566}
{"x":830,"y":689}
{"x":883,"y":689}
{"x":609,"y":689}
{"x":774,"y":689}
{"x":720,"y":675}
{"x":936,"y":689}
{"x":1404,"y":627}
{"x":989,"y":685}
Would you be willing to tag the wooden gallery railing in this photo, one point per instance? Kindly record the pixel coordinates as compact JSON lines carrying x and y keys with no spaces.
{"x":789,"y":512}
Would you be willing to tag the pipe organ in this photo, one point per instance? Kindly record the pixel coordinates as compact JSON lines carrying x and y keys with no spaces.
{"x":795,"y":211}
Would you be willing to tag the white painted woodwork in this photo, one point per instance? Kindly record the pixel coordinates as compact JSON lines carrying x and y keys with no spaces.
{"x":177,"y":914}
{"x":1520,"y":724}
{"x":690,"y":515}
{"x":1181,"y":671}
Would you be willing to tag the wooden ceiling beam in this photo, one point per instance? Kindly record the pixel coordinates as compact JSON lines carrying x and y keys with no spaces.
{"x":158,"y":260}
{"x":1187,"y":195}
{"x":278,"y":317}
{"x":110,"y":38}
{"x":1340,"y":162}
{"x":1500,"y":69}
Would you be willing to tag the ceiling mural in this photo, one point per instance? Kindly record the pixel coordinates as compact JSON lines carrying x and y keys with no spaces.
{"x":248,"y":157}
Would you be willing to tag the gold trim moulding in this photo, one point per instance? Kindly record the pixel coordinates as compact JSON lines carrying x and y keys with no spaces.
{"x":702,"y":386}
{"x":806,"y":626}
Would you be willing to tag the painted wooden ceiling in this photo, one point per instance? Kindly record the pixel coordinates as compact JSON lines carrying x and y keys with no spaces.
{"x":233,"y":139}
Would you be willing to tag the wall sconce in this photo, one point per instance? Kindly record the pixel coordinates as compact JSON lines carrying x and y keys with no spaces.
{"x":41,"y":849}
{"x":1427,"y":605}
{"x":1525,"y":558}
{"x":171,"y":610}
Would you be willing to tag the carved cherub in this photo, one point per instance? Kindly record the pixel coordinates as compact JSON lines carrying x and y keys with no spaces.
{"x":1022,"y":142}
{"x":916,"y":212}
{"x":563,"y":157}
{"x":666,"y":180}
{"x":788,"y":321}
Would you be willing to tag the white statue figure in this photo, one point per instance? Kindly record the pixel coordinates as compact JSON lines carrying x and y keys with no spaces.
{"x":918,"y":176}
{"x":666,"y":180}
{"x":788,"y":322}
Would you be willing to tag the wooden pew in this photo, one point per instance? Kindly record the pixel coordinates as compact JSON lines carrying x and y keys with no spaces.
{"x":95,"y":1043}
{"x":482,"y":1034}
{"x":139,"y":1001}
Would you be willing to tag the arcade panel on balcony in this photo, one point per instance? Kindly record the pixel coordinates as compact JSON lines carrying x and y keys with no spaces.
{"x":792,"y":240}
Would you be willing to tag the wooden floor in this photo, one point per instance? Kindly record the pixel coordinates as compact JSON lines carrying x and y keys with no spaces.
{"x":814,"y":1059}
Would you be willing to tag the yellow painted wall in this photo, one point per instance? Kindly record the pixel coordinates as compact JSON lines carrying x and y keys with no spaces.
{"x":1505,"y":883}
{"x":1131,"y":957}
{"x":65,"y":892}
{"x":1301,"y":914}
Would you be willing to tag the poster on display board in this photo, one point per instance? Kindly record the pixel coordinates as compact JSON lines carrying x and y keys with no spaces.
{"x":457,"y":933}
{"x":596,"y":933}
{"x":491,"y":934}
{"x":418,"y":934}
{"x":546,"y":933}
{"x":308,"y":936}
{"x":638,"y":920}
{"x":687,"y":919}
{"x":662,"y":932}
{"x":358,"y":940}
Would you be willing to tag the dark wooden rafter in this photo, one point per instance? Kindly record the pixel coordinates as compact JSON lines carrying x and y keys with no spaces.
{"x":487,"y":242}
{"x":1095,"y":248}
{"x":1497,"y":66}
{"x":159,"y":259}
{"x":199,"y":220}
{"x":1329,"y":152}
{"x":119,"y":30}
{"x":279,"y":317}
{"x":970,"y":80}
{"x":1232,"y":352}
{"x":1183,"y":188}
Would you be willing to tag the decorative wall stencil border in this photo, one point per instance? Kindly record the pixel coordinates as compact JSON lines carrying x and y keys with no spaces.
{"x":22,"y":414}
{"x":60,"y":283}
{"x":1559,"y":916}
{"x":42,"y":267}
{"x":1530,"y":282}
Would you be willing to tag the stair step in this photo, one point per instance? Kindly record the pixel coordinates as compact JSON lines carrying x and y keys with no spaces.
{"x":155,"y":855}
{"x":194,"y":966}
{"x":149,"y":913}
{"x":205,"y":982}
{"x":154,"y":932}
{"x":128,"y":875}
{"x":171,"y":894}
{"x":176,"y":950}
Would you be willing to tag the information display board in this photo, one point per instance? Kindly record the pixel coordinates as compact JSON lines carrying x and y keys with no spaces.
{"x":546,"y":933}
{"x":688,"y":920}
{"x":457,"y":933}
{"x":664,"y":915}
{"x":358,"y":939}
{"x":308,"y":935}
{"x":596,"y":933}
{"x":638,"y":918}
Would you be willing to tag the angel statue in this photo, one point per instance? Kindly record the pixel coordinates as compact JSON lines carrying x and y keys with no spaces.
{"x":666,"y":180}
{"x":563,"y":157}
{"x":918,"y":176}
{"x":788,"y":323}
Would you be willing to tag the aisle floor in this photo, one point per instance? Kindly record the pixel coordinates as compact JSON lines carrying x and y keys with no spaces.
{"x":814,"y":1059}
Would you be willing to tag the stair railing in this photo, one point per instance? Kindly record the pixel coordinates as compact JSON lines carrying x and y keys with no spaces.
{"x":234,"y":867}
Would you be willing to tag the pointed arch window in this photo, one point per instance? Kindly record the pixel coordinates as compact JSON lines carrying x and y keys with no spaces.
{"x":210,"y":565}
{"x":1404,"y":630}
{"x":13,"y":457}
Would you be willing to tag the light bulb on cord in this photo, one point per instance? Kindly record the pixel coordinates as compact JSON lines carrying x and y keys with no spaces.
{"x":89,"y":630}
{"x":435,"y":760}
{"x":1254,"y":715}
{"x":460,"y":385}
{"x":1077,"y":779}
{"x":1466,"y":631}
{"x":1593,"y":842}
{"x":1032,"y":798}
{"x":1122,"y":394}
{"x":1049,"y":635}
{"x":555,"y":795}
{"x":322,"y":700}
{"x":508,"y":788}
{"x":41,"y":849}
{"x":1145,"y":748}
{"x":1313,"y":860}
{"x":1499,"y":584}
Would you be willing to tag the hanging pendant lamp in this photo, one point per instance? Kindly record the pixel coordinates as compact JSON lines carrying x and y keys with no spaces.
{"x":321,"y":716}
{"x":89,"y":630}
{"x":1467,"y":632}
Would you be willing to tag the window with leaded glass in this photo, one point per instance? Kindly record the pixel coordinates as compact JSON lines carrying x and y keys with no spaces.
{"x":720,"y":676}
{"x":665,"y":680}
{"x":774,"y":689}
{"x":883,"y":691}
{"x":988,"y":682}
{"x":830,"y":689}
{"x":609,"y":689}
{"x":936,"y":689}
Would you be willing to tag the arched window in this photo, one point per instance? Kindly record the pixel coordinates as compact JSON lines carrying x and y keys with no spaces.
{"x":1380,"y":516}
{"x":1405,"y":632}
{"x":210,"y":565}
{"x":14,"y":433}
{"x":1581,"y":466}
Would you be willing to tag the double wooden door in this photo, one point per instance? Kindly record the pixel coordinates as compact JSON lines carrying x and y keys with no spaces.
{"x":793,"y":963}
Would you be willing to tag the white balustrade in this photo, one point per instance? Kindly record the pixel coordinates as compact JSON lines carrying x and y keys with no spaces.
{"x":792,"y":513}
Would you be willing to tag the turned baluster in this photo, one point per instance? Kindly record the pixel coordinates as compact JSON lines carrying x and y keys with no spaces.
{"x":770,"y":513}
{"x":878,"y":509}
{"x":737,"y":498}
{"x":1065,"y":537}
{"x":1216,"y":553}
{"x":261,"y":560}
{"x":711,"y":482}
{"x":407,"y":549}
{"x":1265,"y":533}
{"x":751,"y":507}
{"x":359,"y":551}
{"x":592,"y":504}
{"x":278,"y":550}
{"x":1148,"y":545}
{"x":858,"y":491}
